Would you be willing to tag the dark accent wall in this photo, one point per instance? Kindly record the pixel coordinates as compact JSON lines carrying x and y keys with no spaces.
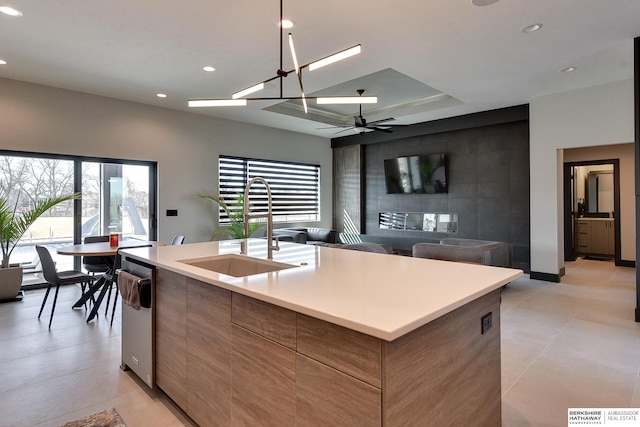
{"x":488,"y":179}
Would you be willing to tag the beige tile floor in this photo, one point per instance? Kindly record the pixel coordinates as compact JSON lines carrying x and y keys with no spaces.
{"x":572,"y":344}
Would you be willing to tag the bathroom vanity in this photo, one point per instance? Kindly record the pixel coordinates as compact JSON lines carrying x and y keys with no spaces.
{"x":325,"y":336}
{"x":595,"y":236}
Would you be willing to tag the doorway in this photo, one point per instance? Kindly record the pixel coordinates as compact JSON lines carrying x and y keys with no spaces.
{"x":592,"y":210}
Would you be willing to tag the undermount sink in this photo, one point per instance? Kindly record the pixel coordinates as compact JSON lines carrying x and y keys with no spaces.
{"x":237,"y":265}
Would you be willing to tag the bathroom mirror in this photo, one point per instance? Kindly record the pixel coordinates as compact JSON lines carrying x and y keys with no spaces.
{"x":594,"y":190}
{"x":599,"y":192}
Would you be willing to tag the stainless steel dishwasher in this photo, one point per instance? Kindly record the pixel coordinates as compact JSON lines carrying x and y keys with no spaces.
{"x":137,"y":325}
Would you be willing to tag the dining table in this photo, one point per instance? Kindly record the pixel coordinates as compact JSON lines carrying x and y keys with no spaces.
{"x":108,"y":252}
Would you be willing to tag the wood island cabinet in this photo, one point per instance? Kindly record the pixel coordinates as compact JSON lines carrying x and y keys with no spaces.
{"x":263,"y":365}
{"x":228,"y":359}
{"x":171,"y":335}
{"x":263,"y":381}
{"x":208,"y":353}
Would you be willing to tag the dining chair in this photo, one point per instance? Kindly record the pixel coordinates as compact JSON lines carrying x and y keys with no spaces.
{"x":57,"y":278}
{"x":177,"y":240}
{"x":94,"y":264}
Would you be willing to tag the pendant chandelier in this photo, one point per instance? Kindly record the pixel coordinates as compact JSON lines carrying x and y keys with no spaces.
{"x":240,"y":98}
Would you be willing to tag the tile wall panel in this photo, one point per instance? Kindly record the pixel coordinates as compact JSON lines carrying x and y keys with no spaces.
{"x":488,"y":179}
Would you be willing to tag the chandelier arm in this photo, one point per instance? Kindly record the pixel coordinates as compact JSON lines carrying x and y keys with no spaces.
{"x":281,"y":48}
{"x":304,"y":99}
{"x":237,"y":98}
{"x":294,"y":57}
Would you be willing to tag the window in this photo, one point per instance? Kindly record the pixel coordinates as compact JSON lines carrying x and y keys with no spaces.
{"x":295,"y":187}
{"x":118,"y":196}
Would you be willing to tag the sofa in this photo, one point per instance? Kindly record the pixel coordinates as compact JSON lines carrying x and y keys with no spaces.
{"x":499,"y":254}
{"x":309,"y":236}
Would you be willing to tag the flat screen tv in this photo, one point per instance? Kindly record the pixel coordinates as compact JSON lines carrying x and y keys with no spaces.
{"x":424,"y":174}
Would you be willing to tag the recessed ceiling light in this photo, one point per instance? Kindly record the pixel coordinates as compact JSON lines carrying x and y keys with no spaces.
{"x":209,"y":68}
{"x":161,"y":95}
{"x":10,"y":11}
{"x":286,"y":23}
{"x":3,"y":62}
{"x":568,"y":69}
{"x":483,"y":2}
{"x":531,"y":28}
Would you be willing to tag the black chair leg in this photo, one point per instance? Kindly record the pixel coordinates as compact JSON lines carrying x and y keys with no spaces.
{"x":46,"y":295}
{"x":83,"y":287}
{"x":106,"y":309}
{"x":115,"y":301}
{"x":55,"y":299}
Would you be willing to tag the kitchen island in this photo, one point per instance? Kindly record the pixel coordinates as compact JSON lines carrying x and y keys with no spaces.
{"x":339,"y":338}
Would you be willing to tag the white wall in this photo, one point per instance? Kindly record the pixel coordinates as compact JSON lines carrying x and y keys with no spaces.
{"x":186,"y":146}
{"x":599,"y":115}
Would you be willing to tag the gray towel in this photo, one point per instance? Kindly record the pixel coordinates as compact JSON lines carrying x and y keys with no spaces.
{"x":128,"y":285}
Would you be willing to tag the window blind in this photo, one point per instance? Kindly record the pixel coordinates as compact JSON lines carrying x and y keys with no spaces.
{"x":295,"y":188}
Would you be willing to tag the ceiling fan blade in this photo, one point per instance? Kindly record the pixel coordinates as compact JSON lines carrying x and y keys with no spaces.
{"x":335,"y":126}
{"x":344,"y":130}
{"x":375,"y":122}
{"x":380,"y":129}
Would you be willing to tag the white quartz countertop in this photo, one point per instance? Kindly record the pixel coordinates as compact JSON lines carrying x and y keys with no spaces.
{"x":382,"y":295}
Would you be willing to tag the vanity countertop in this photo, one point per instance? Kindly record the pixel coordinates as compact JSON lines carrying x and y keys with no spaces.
{"x":385,"y":296}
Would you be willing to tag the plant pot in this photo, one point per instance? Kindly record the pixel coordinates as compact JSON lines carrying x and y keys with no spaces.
{"x":10,"y":282}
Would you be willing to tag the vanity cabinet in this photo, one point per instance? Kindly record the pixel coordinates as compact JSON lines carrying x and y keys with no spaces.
{"x":595,"y":236}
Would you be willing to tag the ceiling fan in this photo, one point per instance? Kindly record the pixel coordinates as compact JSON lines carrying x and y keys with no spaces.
{"x":362,"y":125}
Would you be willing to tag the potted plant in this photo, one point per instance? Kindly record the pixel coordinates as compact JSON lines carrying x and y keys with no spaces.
{"x":14,"y":223}
{"x":235,"y":230}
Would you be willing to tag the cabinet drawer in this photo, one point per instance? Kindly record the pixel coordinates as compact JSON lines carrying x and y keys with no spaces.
{"x":584,"y":247}
{"x":275,"y":323}
{"x":584,"y":231}
{"x":352,"y":352}
{"x":327,"y":397}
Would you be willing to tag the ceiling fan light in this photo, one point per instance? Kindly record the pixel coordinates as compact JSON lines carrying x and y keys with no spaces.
{"x":347,"y":100}
{"x":247,"y":91}
{"x":335,"y":57}
{"x":217,"y":102}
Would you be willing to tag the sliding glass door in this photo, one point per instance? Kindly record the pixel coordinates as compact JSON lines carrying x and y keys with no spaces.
{"x":115,"y":199}
{"x":117,"y":196}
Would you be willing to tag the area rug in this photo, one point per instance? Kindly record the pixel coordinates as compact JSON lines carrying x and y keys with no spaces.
{"x":107,"y":418}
